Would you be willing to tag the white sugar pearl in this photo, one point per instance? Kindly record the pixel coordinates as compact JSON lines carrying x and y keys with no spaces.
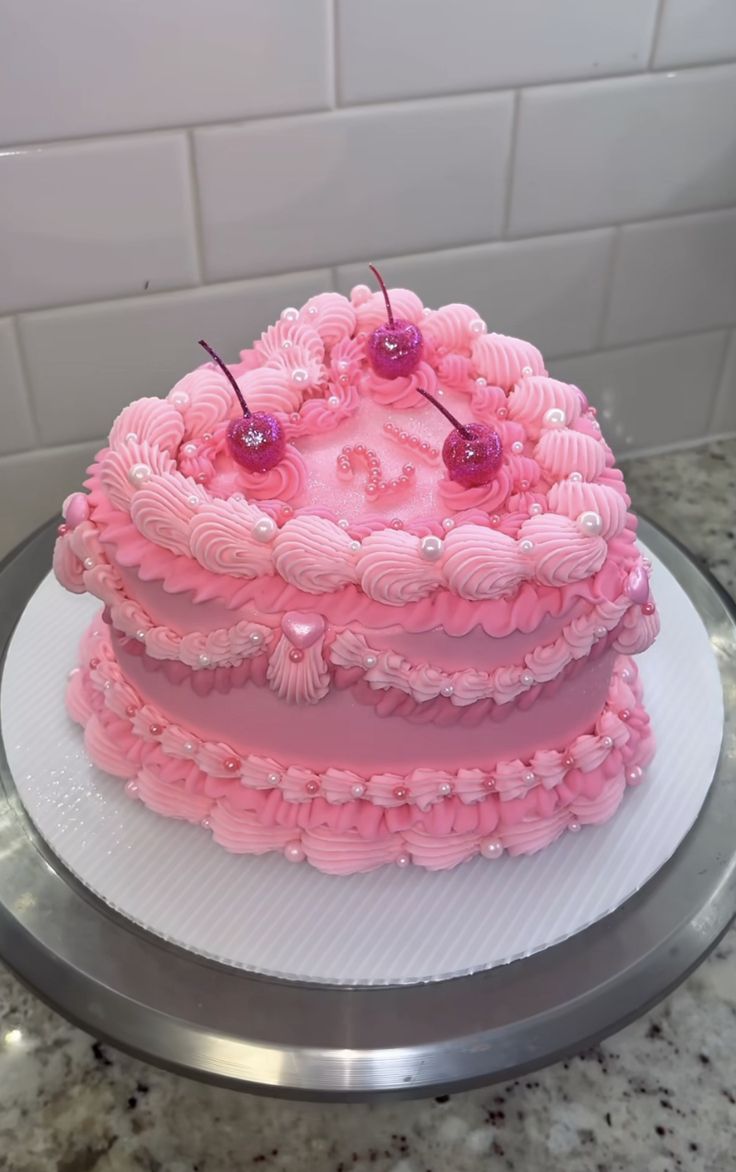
{"x":527,"y":679}
{"x":193,"y":501}
{"x":180,"y":399}
{"x":527,"y":370}
{"x":526,"y":546}
{"x":273,"y":778}
{"x":354,"y":546}
{"x":256,"y":638}
{"x":607,"y":742}
{"x":139,"y":474}
{"x":189,"y":449}
{"x":312,"y":310}
{"x":590,"y":522}
{"x":343,"y":522}
{"x":299,"y":375}
{"x":206,"y":824}
{"x":444,"y":789}
{"x":333,"y":401}
{"x":131,"y":437}
{"x":370,"y":661}
{"x":289,"y":314}
{"x":599,"y":632}
{"x":431,"y":548}
{"x":264,"y":529}
{"x":140,"y":636}
{"x":626,"y":675}
{"x":286,"y":344}
{"x":447,"y":689}
{"x":555,"y":417}
{"x":89,"y":563}
{"x":574,"y":826}
{"x":478,"y":326}
{"x":448,"y":523}
{"x":517,"y":447}
{"x":357,"y":790}
{"x":481,"y":382}
{"x":343,"y":364}
{"x":188,"y":746}
{"x":294,"y":852}
{"x":634,"y":775}
{"x":529,"y":778}
{"x":203,"y":660}
{"x":535,"y":509}
{"x":403,"y":861}
{"x":576,"y":476}
{"x":491,"y":848}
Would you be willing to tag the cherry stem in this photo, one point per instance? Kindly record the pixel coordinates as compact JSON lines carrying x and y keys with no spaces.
{"x":384,"y":290}
{"x":447,"y":414}
{"x":228,"y":375}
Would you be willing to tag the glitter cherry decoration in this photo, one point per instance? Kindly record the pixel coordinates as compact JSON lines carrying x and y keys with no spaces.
{"x":257,"y":440}
{"x":472,"y":452}
{"x":395,"y":348}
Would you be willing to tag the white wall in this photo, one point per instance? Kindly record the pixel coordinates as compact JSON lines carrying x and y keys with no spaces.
{"x":173,"y":168}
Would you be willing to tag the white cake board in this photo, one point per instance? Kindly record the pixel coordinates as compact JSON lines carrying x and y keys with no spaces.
{"x":390,"y":926}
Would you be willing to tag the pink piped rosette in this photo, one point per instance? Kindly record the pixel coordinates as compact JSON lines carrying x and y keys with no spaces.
{"x":235,"y":587}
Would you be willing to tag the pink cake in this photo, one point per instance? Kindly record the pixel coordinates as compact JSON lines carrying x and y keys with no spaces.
{"x":362,"y":656}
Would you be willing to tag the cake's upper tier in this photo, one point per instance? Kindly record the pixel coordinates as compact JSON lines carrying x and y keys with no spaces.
{"x":168,"y":495}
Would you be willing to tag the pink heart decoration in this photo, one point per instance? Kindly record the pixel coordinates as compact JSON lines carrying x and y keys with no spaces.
{"x":302,"y":629}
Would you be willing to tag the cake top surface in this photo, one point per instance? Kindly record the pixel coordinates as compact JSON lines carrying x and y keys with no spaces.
{"x":361,"y":497}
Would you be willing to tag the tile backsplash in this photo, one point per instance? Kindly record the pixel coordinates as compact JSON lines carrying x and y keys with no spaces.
{"x":567,"y":168}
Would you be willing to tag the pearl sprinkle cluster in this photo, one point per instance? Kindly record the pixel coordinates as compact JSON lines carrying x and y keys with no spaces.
{"x":376,"y":485}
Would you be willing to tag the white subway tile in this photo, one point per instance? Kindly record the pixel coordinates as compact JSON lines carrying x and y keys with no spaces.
{"x":692,"y":32}
{"x":36,"y":483}
{"x":411,"y":48}
{"x":297,"y":192}
{"x":673,"y":275}
{"x":82,"y":67}
{"x":724,"y":411}
{"x":16,"y":427}
{"x":624,"y":149}
{"x":94,"y":219}
{"x":653,"y":395}
{"x":549,"y":290}
{"x":86,"y":363}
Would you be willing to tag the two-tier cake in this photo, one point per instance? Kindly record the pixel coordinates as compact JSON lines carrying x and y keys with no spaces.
{"x":340,"y":625}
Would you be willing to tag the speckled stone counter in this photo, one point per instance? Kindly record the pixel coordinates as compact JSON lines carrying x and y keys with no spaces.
{"x":658,"y":1097}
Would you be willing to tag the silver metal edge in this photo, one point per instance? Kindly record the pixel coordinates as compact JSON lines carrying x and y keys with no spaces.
{"x":323,"y":1042}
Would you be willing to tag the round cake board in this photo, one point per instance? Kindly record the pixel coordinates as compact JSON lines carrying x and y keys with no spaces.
{"x":390,"y":926}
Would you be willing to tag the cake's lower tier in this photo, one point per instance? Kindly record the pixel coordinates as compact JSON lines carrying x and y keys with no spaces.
{"x":342,"y":822}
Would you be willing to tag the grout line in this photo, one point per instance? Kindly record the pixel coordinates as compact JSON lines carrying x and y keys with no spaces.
{"x":721,"y":380}
{"x":388,"y":103}
{"x":656,"y":28}
{"x":656,"y":217}
{"x":608,"y":289}
{"x":511,"y":163}
{"x":640,"y":342}
{"x":581,"y":230}
{"x":196,"y":207}
{"x":26,"y":376}
{"x":42,"y":449}
{"x":333,"y":55}
{"x":678,"y":446}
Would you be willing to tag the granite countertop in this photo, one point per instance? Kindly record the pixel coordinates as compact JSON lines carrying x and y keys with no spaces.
{"x":657,"y":1097}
